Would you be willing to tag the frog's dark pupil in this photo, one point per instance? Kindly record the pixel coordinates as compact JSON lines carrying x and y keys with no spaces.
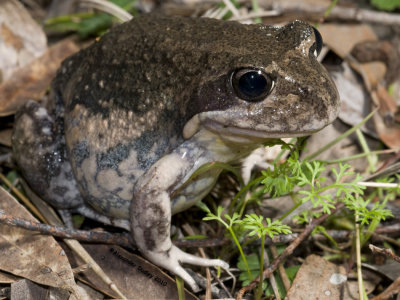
{"x":252,"y":84}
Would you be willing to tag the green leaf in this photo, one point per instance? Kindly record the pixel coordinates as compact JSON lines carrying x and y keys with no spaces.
{"x":87,"y":24}
{"x":292,"y":271}
{"x":95,"y":25}
{"x":203,"y":207}
{"x":252,"y":260}
{"x":386,"y":4}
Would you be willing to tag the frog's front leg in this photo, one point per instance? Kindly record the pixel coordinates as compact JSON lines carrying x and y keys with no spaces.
{"x":151,"y":217}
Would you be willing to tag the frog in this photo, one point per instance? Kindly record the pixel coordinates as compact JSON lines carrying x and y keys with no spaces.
{"x":131,"y":118}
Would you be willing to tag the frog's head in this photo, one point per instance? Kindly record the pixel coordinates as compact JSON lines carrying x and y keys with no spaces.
{"x":269,"y":86}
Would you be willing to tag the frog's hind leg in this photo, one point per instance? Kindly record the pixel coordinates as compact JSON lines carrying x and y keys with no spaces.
{"x":40,"y":152}
{"x":86,"y":211}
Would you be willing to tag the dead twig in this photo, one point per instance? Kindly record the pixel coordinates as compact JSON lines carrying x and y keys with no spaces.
{"x":221,"y":283}
{"x":288,"y":251}
{"x":337,"y":13}
{"x":392,"y":289}
{"x":384,"y":251}
{"x":394,"y":228}
{"x":121,"y":239}
{"x":282,"y":272}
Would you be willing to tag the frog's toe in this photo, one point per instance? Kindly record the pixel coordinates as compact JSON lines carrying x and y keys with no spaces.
{"x":187,"y":258}
{"x":178,"y":270}
{"x":172,"y":259}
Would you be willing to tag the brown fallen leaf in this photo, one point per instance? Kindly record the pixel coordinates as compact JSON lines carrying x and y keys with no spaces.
{"x":32,"y":256}
{"x":32,"y":81}
{"x":5,"y":137}
{"x":389,"y":269}
{"x":8,"y":278}
{"x":342,"y":39}
{"x":21,"y":38}
{"x":355,"y":100}
{"x":393,"y":289}
{"x":390,"y":135}
{"x":351,"y":290}
{"x":318,"y":279}
{"x":134,"y":276}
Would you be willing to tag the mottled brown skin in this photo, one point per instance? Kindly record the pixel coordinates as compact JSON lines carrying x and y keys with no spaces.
{"x":143,"y":108}
{"x":190,"y":59}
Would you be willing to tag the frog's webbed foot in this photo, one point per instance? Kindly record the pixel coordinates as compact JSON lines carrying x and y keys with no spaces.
{"x":151,"y":232}
{"x":171,"y":260}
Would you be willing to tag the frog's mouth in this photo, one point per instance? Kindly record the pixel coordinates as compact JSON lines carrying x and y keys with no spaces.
{"x":242,"y":135}
{"x":247,"y":135}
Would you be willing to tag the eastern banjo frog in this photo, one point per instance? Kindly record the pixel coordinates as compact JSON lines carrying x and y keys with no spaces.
{"x":132,"y":116}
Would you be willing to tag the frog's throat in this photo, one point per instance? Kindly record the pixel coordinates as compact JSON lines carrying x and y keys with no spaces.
{"x":236,"y":133}
{"x":251,"y":133}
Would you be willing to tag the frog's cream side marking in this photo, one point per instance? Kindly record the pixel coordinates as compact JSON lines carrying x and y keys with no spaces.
{"x":135,"y":114}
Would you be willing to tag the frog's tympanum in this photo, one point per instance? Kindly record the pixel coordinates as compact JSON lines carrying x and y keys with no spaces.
{"x":135,"y":114}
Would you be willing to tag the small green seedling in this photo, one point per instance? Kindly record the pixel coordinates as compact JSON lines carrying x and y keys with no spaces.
{"x":253,"y":225}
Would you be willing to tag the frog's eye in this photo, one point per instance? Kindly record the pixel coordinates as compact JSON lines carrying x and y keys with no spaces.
{"x":251,"y":85}
{"x":316,"y":48}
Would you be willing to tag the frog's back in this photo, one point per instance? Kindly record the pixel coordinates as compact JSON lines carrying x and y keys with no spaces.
{"x":155,"y":62}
